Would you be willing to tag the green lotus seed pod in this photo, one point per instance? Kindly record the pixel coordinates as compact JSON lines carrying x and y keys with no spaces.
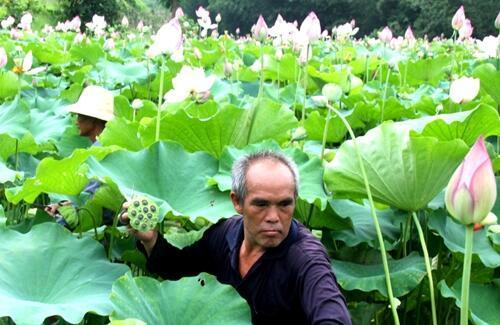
{"x":143,"y":214}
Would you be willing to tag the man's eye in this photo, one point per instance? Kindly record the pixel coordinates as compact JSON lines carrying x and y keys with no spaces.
{"x":260,"y":204}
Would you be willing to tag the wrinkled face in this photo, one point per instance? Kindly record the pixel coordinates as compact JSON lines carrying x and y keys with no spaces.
{"x":268,"y":207}
{"x":85,"y":124}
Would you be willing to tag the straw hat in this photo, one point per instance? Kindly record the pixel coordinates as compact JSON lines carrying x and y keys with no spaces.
{"x":96,"y":102}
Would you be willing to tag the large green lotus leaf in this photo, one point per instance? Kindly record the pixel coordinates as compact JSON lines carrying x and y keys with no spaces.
{"x":14,"y":119}
{"x":175,"y":178}
{"x":120,"y":73}
{"x":315,"y":125}
{"x":123,"y":133}
{"x":9,"y":84}
{"x":7,"y":174}
{"x":312,"y":217}
{"x":49,"y":272}
{"x":89,"y":52}
{"x":51,"y":51}
{"x":490,"y":80}
{"x":65,"y":176}
{"x":453,"y":235}
{"x":191,"y":300}
{"x":406,"y":274}
{"x":403,"y":170}
{"x":27,"y":144}
{"x":468,"y":125}
{"x":363,"y":229}
{"x":310,"y":170}
{"x":484,"y":300}
{"x":229,"y":125}
{"x":45,"y":126}
{"x":430,"y":70}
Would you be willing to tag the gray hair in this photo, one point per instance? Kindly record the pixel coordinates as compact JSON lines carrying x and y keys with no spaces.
{"x":242,"y":164}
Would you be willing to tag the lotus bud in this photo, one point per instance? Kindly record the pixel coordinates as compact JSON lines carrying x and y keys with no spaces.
{"x":466,"y":30}
{"x":197,"y":53}
{"x":179,"y":13}
{"x":409,"y":34}
{"x":237,"y":31}
{"x":385,"y":35}
{"x":26,"y":20}
{"x":228,"y":68}
{"x":458,"y":19}
{"x":125,"y":21}
{"x":471,"y":192}
{"x":140,"y":26}
{"x":356,"y":82}
{"x":143,"y":214}
{"x":3,"y":57}
{"x":218,"y":18}
{"x":464,"y":90}
{"x":109,"y":44}
{"x":279,"y":54}
{"x":299,"y":133}
{"x":6,"y":23}
{"x":332,"y":92}
{"x":137,"y":104}
{"x":311,"y":27}
{"x":78,"y":38}
{"x":329,"y":154}
{"x":260,"y":29}
{"x":497,"y":21}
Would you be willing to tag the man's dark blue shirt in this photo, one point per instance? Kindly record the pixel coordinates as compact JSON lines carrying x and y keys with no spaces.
{"x":290,"y":284}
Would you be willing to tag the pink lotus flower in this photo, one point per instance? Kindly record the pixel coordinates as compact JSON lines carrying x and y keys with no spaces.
{"x":409,"y":34}
{"x":3,"y":57}
{"x":497,"y":21}
{"x":168,"y":40}
{"x":109,"y":44}
{"x":465,"y":31}
{"x":471,"y":192}
{"x":260,"y":30}
{"x":311,"y":27}
{"x":190,"y":82}
{"x":179,"y":12}
{"x":75,"y":23}
{"x":385,"y":35}
{"x":458,"y":19}
{"x":26,"y":21}
{"x":204,"y":21}
{"x":78,"y":38}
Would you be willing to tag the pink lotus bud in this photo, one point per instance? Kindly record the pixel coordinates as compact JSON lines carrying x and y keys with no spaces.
{"x":78,"y":38}
{"x":471,"y":192}
{"x":179,"y":12}
{"x":3,"y":57}
{"x":218,"y":18}
{"x":311,"y":27}
{"x":140,"y":26}
{"x":75,"y":23}
{"x":169,"y":38}
{"x":464,"y":90}
{"x":237,"y":31}
{"x":497,"y":21}
{"x":385,"y":35}
{"x":259,"y":30}
{"x":458,"y":19}
{"x":125,"y":21}
{"x":409,"y":34}
{"x":26,"y":21}
{"x":109,"y":44}
{"x":466,"y":30}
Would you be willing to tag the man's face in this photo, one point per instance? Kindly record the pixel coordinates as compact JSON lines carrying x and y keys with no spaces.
{"x":268,"y":207}
{"x":85,"y":125}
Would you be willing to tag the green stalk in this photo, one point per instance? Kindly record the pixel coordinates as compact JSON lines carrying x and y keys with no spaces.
{"x":427,"y":266}
{"x":261,"y":84}
{"x":464,"y":312}
{"x":374,"y":216}
{"x":325,"y":132}
{"x":278,"y":80}
{"x":305,"y":84}
{"x":16,"y":156}
{"x":385,"y":93}
{"x":160,"y":97}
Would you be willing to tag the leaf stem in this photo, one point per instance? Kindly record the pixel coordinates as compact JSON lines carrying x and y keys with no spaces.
{"x":385,"y":93}
{"x":325,"y":132}
{"x":374,"y":216}
{"x":160,"y":97}
{"x":427,"y":266}
{"x":464,"y":312}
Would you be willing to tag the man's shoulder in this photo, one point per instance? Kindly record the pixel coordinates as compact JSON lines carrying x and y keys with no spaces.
{"x":306,"y":248}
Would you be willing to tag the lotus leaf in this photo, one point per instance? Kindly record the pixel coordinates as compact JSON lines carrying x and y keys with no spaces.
{"x":490,"y":80}
{"x":403,"y":170}
{"x":49,"y":272}
{"x":192,"y":300}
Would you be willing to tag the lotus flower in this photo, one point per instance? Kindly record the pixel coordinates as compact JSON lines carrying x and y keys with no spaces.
{"x":3,"y":57}
{"x":24,"y":65}
{"x":458,"y":19}
{"x":311,"y":27}
{"x":179,"y":13}
{"x":137,"y":104}
{"x":260,"y":30}
{"x":190,"y":82}
{"x":345,"y":31}
{"x":168,"y":40}
{"x":78,"y":38}
{"x":218,"y":18}
{"x":385,"y":35}
{"x":489,"y":47}
{"x":125,"y":21}
{"x":497,"y":21}
{"x":204,"y":21}
{"x":466,"y":30}
{"x":409,"y":34}
{"x":26,"y":21}
{"x":75,"y":23}
{"x":471,"y":192}
{"x":464,"y":90}
{"x":7,"y":22}
{"x":97,"y":25}
{"x":140,"y":26}
{"x":109,"y":44}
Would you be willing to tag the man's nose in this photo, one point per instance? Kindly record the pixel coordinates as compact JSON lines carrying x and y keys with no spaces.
{"x":272,"y":214}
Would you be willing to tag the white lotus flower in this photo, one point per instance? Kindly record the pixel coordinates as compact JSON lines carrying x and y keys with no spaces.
{"x":26,"y":21}
{"x":489,"y":47}
{"x":109,"y":44}
{"x":464,"y":90}
{"x":3,"y":57}
{"x":190,"y":82}
{"x":168,"y":40}
{"x":137,"y":103}
{"x":75,"y":23}
{"x":124,"y":21}
{"x":204,"y":21}
{"x":7,"y":22}
{"x":24,"y":66}
{"x":97,"y":25}
{"x":311,"y":27}
{"x":345,"y":31}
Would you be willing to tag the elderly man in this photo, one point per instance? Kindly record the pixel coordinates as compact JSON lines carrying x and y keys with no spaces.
{"x":271,"y":259}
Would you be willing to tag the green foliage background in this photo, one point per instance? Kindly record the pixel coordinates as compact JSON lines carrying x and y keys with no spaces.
{"x":425,"y":17}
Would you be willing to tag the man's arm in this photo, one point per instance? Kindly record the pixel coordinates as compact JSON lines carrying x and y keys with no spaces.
{"x":320,"y":297}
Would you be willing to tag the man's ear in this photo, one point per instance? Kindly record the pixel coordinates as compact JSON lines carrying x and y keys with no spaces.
{"x":236,"y":203}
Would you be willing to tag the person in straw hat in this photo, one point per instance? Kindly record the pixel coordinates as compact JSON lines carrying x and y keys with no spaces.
{"x":94,"y":108}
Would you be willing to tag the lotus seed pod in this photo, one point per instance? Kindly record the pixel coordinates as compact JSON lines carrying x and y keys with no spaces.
{"x":143,"y":214}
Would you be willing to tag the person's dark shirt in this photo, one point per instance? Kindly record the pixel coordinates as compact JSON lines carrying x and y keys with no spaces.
{"x":290,"y":284}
